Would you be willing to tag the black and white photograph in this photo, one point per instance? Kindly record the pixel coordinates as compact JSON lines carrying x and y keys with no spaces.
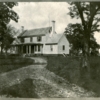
{"x":50,"y":49}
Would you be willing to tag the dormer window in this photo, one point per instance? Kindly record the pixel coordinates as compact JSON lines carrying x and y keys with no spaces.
{"x":39,"y":38}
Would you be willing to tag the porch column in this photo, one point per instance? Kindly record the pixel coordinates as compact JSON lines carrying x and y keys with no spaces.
{"x":16,"y":49}
{"x":41,"y":49}
{"x":22,"y":49}
{"x":29,"y":49}
{"x":37,"y":48}
{"x":26,"y":49}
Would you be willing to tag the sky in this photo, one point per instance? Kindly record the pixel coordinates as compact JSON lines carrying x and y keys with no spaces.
{"x":40,"y":14}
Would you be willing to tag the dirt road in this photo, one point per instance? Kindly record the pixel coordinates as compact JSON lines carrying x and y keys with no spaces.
{"x":47,"y":83}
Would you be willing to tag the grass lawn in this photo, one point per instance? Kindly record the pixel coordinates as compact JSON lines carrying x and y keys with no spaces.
{"x":26,"y":89}
{"x":10,"y":63}
{"x":69,"y":69}
{"x":66,"y":67}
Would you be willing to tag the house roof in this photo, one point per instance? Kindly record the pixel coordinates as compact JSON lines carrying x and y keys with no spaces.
{"x":54,"y":39}
{"x":35,"y":32}
{"x":16,"y":41}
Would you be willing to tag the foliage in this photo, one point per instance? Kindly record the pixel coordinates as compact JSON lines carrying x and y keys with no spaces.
{"x":75,"y":35}
{"x":7,"y":38}
{"x":6,"y":14}
{"x":88,"y":13}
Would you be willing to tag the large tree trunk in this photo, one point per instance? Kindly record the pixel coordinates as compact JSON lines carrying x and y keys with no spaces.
{"x":85,"y":65}
{"x":1,"y":48}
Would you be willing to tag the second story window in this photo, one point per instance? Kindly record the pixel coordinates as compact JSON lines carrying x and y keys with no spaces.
{"x":39,"y":38}
{"x":22,"y":40}
{"x":31,"y":39}
{"x":51,"y":47}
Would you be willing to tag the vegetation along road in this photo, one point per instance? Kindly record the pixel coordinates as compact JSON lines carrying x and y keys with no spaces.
{"x":47,"y":84}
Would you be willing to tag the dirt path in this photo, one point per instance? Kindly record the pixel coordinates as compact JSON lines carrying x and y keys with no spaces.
{"x":47,"y":83}
{"x":39,"y":60}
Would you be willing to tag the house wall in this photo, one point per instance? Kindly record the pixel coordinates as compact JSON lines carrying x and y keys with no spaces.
{"x":34,"y":39}
{"x":63,"y":41}
{"x":36,"y":49}
{"x":13,"y":50}
{"x":26,"y":40}
{"x":47,"y":49}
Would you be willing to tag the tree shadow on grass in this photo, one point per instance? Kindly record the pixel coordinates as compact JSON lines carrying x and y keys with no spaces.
{"x":26,"y":89}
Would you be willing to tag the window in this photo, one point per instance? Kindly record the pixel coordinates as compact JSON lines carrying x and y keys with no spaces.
{"x":22,"y":40}
{"x":39,"y":38}
{"x":51,"y":46}
{"x":31,"y":39}
{"x":63,"y":47}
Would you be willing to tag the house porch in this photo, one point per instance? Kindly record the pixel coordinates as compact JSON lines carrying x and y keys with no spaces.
{"x":29,"y":48}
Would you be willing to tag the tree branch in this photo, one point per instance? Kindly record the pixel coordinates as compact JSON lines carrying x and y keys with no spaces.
{"x":92,"y":15}
{"x":81,"y":14}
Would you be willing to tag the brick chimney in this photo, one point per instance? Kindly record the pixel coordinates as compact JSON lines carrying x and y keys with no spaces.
{"x":53,"y":26}
{"x":22,"y":28}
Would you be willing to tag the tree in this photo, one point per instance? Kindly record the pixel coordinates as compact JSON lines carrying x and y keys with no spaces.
{"x":74,"y":33}
{"x":87,"y":12}
{"x":6,"y":14}
{"x":7,"y":38}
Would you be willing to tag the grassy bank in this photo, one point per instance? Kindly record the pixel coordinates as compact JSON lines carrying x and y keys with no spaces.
{"x":69,"y":69}
{"x":9,"y":63}
{"x":25,"y":89}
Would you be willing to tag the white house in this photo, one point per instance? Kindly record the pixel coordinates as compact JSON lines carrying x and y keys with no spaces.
{"x":41,"y":41}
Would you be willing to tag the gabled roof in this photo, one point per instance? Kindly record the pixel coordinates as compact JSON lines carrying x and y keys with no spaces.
{"x":36,"y":32}
{"x":54,"y":39}
{"x":16,"y":41}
